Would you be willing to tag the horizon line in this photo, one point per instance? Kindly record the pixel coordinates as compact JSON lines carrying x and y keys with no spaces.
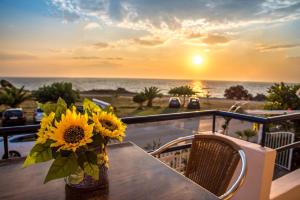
{"x":149,"y":78}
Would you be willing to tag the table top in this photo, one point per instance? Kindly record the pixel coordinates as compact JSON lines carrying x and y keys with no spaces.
{"x":133,"y":175}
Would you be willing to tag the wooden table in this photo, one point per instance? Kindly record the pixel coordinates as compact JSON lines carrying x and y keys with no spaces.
{"x":133,"y":175}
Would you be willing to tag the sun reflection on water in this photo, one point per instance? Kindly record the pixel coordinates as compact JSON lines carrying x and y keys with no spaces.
{"x":200,"y":88}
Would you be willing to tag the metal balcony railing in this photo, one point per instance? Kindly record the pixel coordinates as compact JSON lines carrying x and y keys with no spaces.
{"x":5,"y":132}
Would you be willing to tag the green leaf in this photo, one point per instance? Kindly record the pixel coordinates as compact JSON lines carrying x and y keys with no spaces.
{"x":88,"y":161}
{"x":58,"y":108}
{"x":62,"y":167}
{"x":61,"y":108}
{"x":48,"y":107}
{"x":77,"y":176}
{"x":91,"y":170}
{"x":98,"y":141}
{"x":39,"y":153}
{"x":90,"y":107}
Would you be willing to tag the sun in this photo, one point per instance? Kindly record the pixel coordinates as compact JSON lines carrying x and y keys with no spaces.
{"x":197,"y":60}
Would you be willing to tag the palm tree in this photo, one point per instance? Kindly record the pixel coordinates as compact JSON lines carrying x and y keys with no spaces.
{"x":151,"y":93}
{"x":248,"y":133}
{"x":13,"y":97}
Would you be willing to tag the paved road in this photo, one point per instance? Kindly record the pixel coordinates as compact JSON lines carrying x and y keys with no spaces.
{"x":162,"y":132}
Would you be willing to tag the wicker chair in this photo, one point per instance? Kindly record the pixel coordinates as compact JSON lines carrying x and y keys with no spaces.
{"x":212,"y":162}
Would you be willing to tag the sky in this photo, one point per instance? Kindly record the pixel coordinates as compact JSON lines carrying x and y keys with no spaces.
{"x":239,"y":40}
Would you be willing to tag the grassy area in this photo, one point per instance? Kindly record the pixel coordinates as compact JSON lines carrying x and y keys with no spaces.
{"x":126,"y":107}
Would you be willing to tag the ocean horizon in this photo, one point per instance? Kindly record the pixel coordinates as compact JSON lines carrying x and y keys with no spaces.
{"x":215,"y":88}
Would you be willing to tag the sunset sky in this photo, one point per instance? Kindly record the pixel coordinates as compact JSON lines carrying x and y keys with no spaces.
{"x":245,"y":40}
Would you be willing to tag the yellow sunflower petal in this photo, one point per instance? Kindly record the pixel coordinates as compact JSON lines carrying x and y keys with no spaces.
{"x":72,"y":131}
{"x":109,"y":125}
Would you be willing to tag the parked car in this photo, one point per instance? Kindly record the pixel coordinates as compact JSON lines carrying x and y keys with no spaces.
{"x":13,"y":116}
{"x":194,"y":103}
{"x":101,"y":103}
{"x":174,"y":102}
{"x":19,"y":145}
{"x":38,"y":115}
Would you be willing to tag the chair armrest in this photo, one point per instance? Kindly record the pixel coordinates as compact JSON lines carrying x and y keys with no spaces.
{"x":170,"y":144}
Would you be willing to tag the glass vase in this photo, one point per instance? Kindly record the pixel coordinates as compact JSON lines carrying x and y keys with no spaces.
{"x":89,"y":183}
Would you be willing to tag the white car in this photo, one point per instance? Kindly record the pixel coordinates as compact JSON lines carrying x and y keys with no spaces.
{"x":18,"y":146}
{"x":38,"y":115}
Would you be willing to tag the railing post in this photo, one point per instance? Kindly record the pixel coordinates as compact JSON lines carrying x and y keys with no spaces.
{"x":5,"y":141}
{"x":263,"y":135}
{"x":213,"y":123}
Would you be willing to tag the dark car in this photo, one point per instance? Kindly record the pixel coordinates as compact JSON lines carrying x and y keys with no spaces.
{"x":174,"y":102}
{"x":194,"y":103}
{"x":13,"y":116}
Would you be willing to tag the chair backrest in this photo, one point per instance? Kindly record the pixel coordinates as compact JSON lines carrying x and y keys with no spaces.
{"x":212,"y":162}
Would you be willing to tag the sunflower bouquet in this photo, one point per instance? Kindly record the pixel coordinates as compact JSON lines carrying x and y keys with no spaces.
{"x":75,"y":140}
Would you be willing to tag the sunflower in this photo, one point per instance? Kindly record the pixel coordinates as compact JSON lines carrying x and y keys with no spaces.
{"x":109,"y":125}
{"x":72,"y":131}
{"x":45,"y":129}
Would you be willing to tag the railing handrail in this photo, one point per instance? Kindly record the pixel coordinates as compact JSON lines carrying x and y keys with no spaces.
{"x":164,"y":117}
{"x":287,"y":147}
{"x":17,"y":130}
{"x":284,"y":117}
{"x":240,"y":116}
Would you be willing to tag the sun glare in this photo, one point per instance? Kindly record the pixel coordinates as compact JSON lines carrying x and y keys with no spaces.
{"x":197,"y":60}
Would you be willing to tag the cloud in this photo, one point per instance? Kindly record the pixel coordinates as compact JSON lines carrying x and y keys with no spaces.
{"x":215,"y":39}
{"x":101,"y":45}
{"x":149,"y":41}
{"x":277,"y":47}
{"x":294,"y":58}
{"x":114,"y":58}
{"x":91,"y":26}
{"x":194,"y":35}
{"x":98,"y":58}
{"x":176,"y":16}
{"x":16,"y":56}
{"x":86,"y":57}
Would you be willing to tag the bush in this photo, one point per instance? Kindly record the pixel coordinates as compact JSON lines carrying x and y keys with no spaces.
{"x":237,"y":92}
{"x":260,"y":97}
{"x":283,"y":97}
{"x":52,"y":93}
{"x":139,"y":98}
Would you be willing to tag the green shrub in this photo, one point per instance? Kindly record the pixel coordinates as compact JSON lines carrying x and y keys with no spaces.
{"x":139,"y":98}
{"x":237,"y":92}
{"x":51,"y":93}
{"x":282,"y":97}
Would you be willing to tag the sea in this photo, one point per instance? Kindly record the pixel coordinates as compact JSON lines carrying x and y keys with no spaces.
{"x":202,"y":87}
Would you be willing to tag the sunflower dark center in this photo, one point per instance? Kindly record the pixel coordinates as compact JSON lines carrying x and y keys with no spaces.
{"x":74,"y":134}
{"x":108,"y":125}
